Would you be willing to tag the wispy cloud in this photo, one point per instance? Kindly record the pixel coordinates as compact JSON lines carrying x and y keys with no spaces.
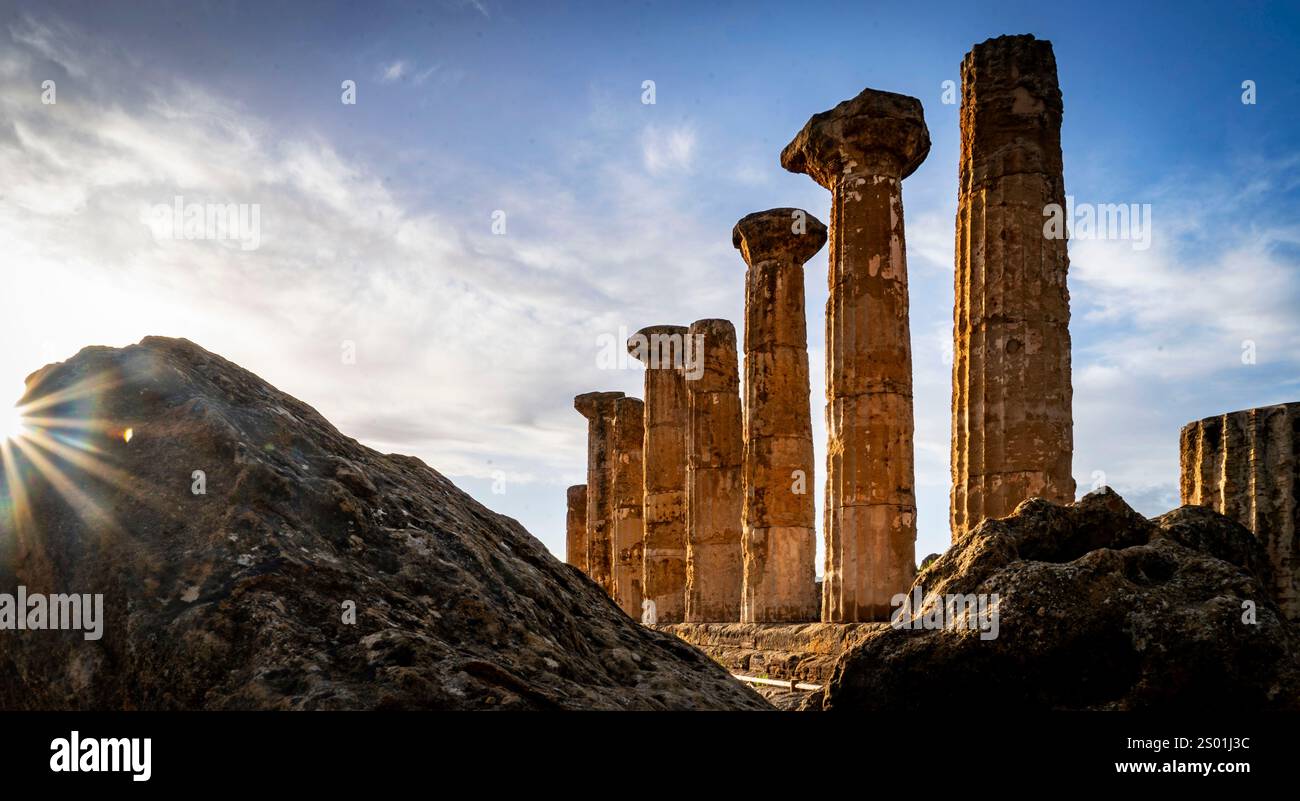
{"x":393,"y":71}
{"x":667,"y":149}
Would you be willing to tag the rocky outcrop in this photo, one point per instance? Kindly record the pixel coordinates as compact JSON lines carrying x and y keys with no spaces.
{"x":243,"y":596}
{"x":1097,"y":608}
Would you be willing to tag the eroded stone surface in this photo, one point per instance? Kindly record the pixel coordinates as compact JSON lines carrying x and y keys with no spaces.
{"x":715,"y":492}
{"x":238,"y":598}
{"x":662,"y":349}
{"x":598,"y":408}
{"x":803,"y":652}
{"x":629,"y":504}
{"x":1246,"y":465}
{"x":861,"y":150}
{"x":780,"y":540}
{"x":1098,"y":608}
{"x":1012,"y":423}
{"x":576,"y":527}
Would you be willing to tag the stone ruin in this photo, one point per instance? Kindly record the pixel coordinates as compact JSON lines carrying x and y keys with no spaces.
{"x":1011,"y":314}
{"x":1246,"y":465}
{"x":729,"y":536}
{"x":780,"y":542}
{"x":715,"y":489}
{"x":861,"y":151}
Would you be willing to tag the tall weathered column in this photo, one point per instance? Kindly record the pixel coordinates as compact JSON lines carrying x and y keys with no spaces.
{"x":861,"y":151}
{"x":629,"y":503}
{"x":780,"y":535}
{"x":1246,"y":465}
{"x":661,"y":348}
{"x":576,"y":528}
{"x":598,"y":408}
{"x":715,"y":490}
{"x":1012,"y":424}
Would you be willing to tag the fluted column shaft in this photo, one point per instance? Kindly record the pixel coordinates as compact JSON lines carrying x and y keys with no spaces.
{"x":1246,"y":465}
{"x":661,"y":349}
{"x":861,"y":150}
{"x":598,"y":408}
{"x":629,"y":504}
{"x":576,"y":527}
{"x":1012,"y":423}
{"x":780,"y":537}
{"x":715,"y":492}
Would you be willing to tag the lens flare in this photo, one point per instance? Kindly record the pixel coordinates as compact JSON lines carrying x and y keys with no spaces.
{"x":14,"y":422}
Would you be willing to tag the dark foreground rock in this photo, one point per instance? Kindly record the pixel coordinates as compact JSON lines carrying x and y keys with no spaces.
{"x":239,"y":598}
{"x":1099,"y":608}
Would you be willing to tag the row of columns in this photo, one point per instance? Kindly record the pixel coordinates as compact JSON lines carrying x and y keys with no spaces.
{"x":727,"y":527}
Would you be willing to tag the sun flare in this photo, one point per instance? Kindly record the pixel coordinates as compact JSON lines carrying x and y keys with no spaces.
{"x":15,"y":423}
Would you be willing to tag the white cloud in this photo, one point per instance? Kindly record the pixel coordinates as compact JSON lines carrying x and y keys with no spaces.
{"x":668,"y":149}
{"x":394,"y":71}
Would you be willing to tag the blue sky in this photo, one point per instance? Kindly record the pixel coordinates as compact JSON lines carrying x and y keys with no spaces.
{"x":376,"y":217}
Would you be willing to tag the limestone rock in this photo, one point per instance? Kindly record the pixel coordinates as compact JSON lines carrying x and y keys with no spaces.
{"x":237,"y":598}
{"x":1098,"y":608}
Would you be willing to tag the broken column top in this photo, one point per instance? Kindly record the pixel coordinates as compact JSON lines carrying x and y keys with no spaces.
{"x":1019,"y":59}
{"x":643,"y":348}
{"x":1291,"y":405}
{"x":632,"y":406}
{"x":1011,"y":110}
{"x":591,"y":404}
{"x":881,"y":133}
{"x":771,"y":235}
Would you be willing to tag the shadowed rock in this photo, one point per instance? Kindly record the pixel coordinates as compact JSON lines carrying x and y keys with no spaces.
{"x":237,"y":598}
{"x":1099,"y":608}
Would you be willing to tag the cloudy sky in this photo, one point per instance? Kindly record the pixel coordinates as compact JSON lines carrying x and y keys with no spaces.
{"x":377,"y":218}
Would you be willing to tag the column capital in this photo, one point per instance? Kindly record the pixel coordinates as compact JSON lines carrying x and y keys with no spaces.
{"x":659,"y":347}
{"x":875,"y":133}
{"x":595,"y":404}
{"x":785,"y":234}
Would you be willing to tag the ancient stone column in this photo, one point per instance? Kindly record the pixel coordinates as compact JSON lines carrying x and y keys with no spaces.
{"x":576,"y":528}
{"x":662,"y":349}
{"x":1246,"y":465}
{"x":715,"y":490}
{"x":780,"y":535}
{"x":598,"y":408}
{"x":629,"y":504}
{"x":1012,"y":424}
{"x":861,"y":151}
